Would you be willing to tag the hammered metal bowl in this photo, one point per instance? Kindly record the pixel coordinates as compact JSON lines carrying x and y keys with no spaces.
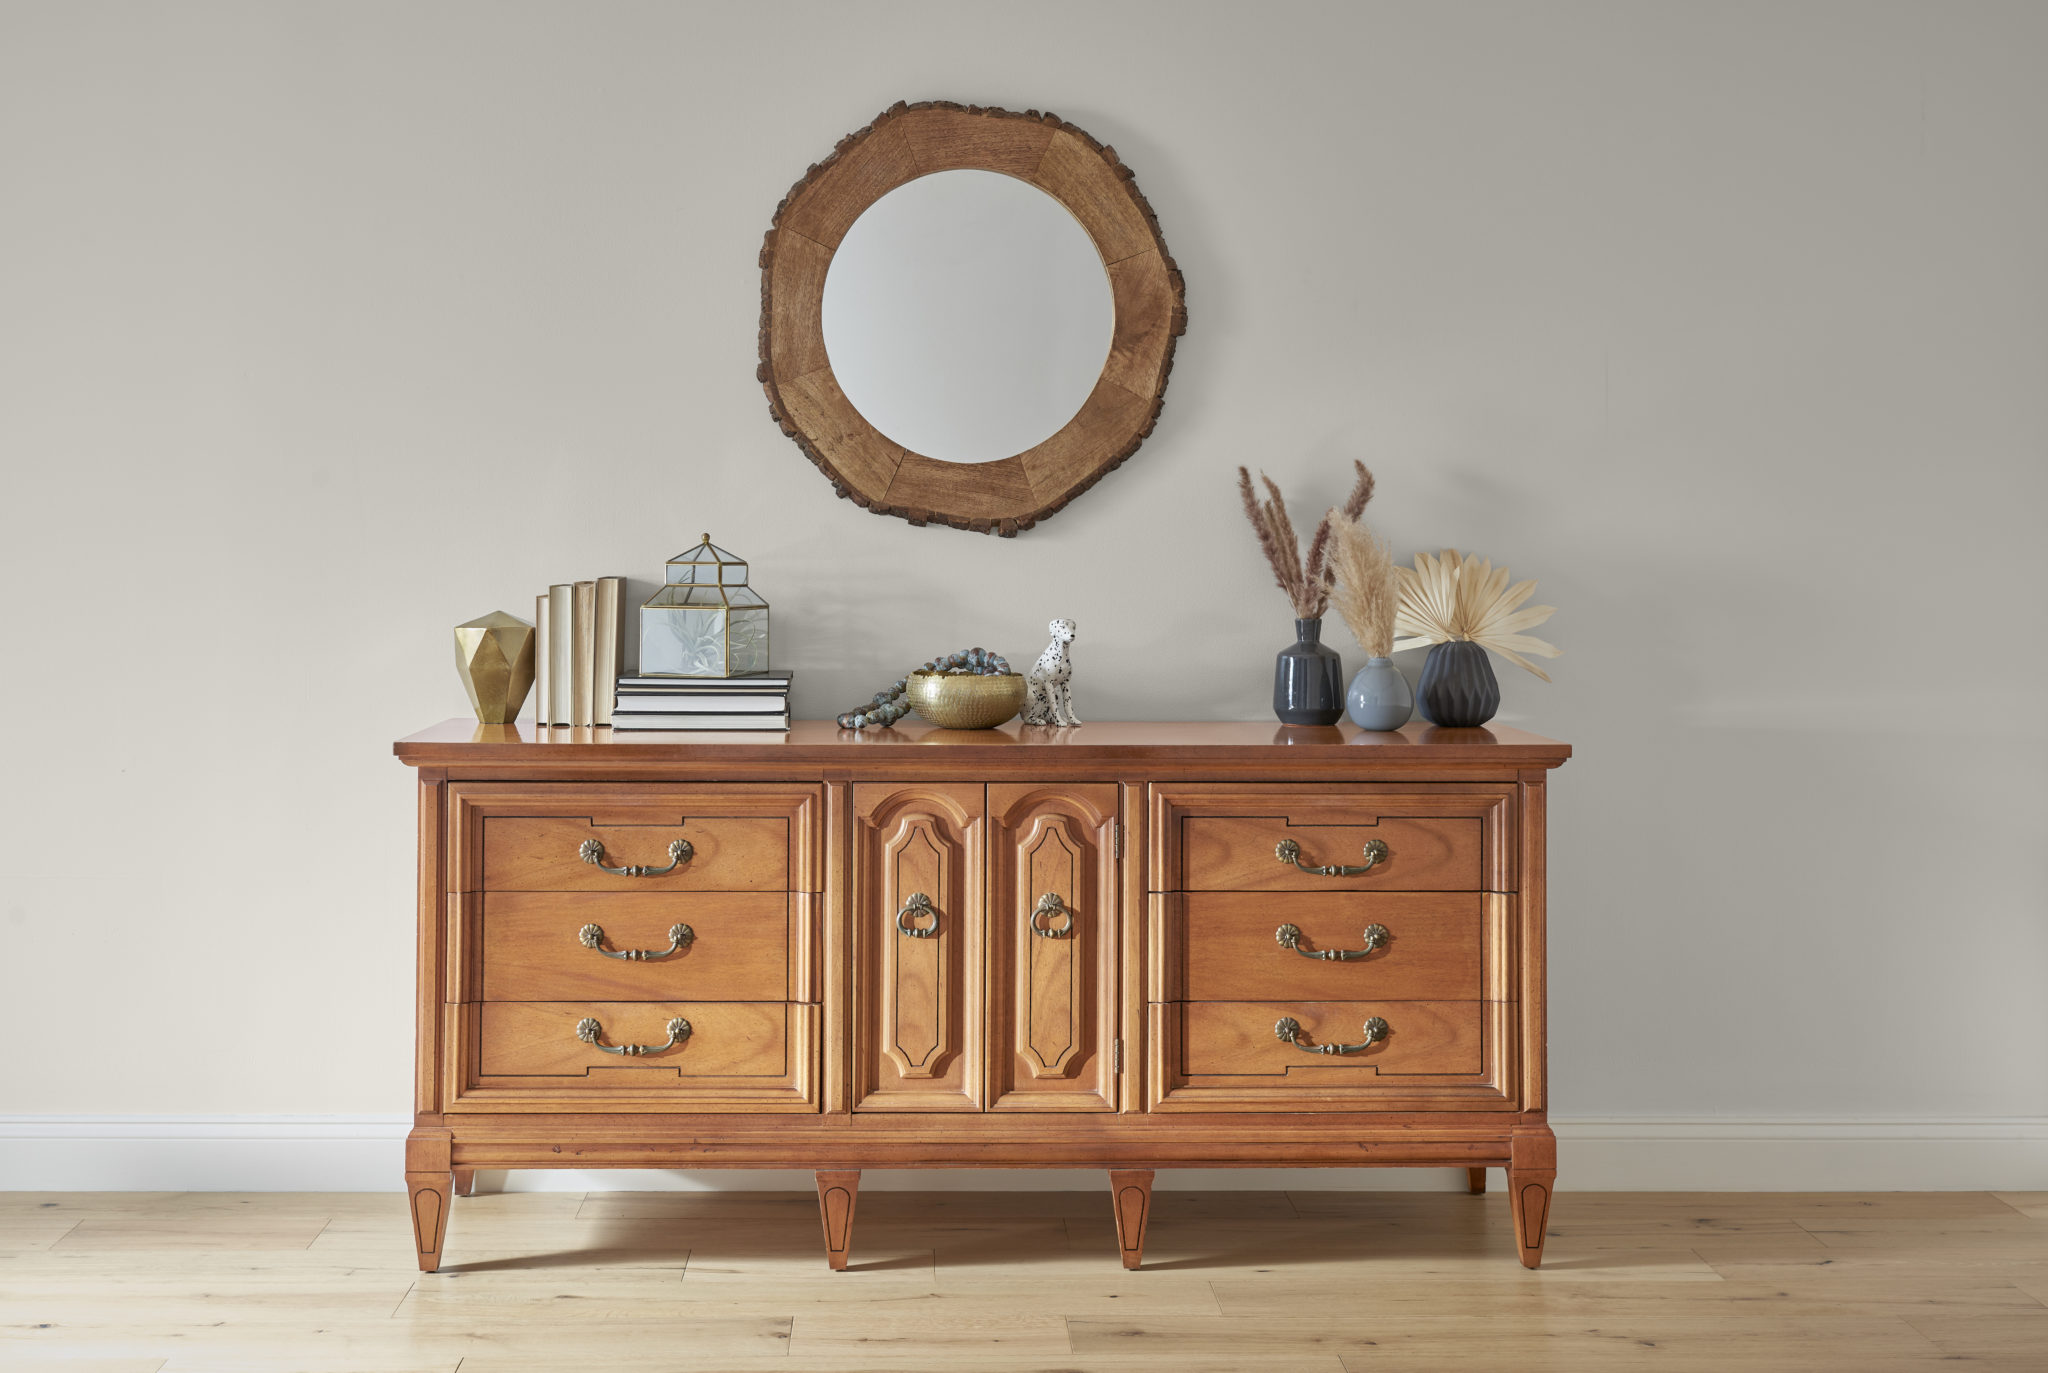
{"x":966,"y":701}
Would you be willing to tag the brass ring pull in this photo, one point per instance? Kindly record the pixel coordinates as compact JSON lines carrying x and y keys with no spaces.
{"x":1289,"y":937}
{"x":1288,"y":1031}
{"x":1287,"y":851}
{"x":918,"y":906}
{"x":592,"y":852}
{"x":680,"y":937}
{"x":1050,"y":908}
{"x":588,"y":1030}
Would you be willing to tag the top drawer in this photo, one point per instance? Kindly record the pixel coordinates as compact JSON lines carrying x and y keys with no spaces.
{"x":634,"y":838}
{"x":1332,"y":838}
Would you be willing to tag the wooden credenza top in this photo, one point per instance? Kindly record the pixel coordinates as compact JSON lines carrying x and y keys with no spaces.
{"x":1228,"y":745}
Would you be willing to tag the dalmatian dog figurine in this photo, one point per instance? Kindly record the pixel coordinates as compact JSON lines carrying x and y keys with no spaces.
{"x":1049,"y":700}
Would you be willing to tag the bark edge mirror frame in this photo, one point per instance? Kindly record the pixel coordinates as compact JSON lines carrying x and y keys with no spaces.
{"x":907,"y":141}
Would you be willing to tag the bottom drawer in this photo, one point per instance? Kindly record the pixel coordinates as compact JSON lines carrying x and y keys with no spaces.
{"x":670,"y":1055}
{"x":1383,"y":1055}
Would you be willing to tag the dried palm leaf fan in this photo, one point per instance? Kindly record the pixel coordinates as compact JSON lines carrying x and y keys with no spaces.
{"x":1459,"y":607}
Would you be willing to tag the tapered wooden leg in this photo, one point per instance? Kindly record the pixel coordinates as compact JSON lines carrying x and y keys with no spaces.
{"x":837,"y":1192}
{"x":1532,"y":1168}
{"x":1130,"y":1194}
{"x":1475,"y":1179}
{"x":465,"y":1181}
{"x":428,"y":1182}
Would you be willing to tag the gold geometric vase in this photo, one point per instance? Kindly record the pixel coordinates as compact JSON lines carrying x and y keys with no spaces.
{"x":494,"y":654}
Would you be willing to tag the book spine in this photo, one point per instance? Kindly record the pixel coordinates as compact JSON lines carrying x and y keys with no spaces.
{"x":583,"y":665}
{"x":543,"y":677}
{"x":561,"y":608}
{"x":705,"y":723}
{"x":611,"y":643}
{"x":628,"y":702}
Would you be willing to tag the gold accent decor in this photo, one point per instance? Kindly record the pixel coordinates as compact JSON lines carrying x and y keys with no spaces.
{"x":1287,"y":851}
{"x":1050,"y":908}
{"x":706,"y":621}
{"x":680,"y":937}
{"x":590,"y":1031}
{"x":591,"y":851}
{"x":966,"y":700}
{"x":494,"y":655}
{"x":1289,"y":937}
{"x":918,"y":906}
{"x":1288,"y":1031}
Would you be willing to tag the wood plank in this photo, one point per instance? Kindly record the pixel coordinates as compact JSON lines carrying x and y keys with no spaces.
{"x":205,"y":1233}
{"x":1233,"y":1280}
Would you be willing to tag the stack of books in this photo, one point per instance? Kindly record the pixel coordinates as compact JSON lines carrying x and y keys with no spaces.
{"x":578,"y":645}
{"x":757,"y":702}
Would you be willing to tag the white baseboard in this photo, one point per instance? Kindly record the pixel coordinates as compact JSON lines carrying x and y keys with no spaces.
{"x":247,"y":1153}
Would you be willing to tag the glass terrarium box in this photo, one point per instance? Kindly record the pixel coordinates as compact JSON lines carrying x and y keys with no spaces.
{"x":707,"y":622}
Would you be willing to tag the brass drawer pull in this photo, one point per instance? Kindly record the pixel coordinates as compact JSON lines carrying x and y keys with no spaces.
{"x":1050,"y":908}
{"x":1287,"y":851}
{"x":1288,"y":1031}
{"x":588,"y":1030}
{"x":918,"y":906}
{"x":1289,"y":937}
{"x":680,"y":937}
{"x":680,"y":852}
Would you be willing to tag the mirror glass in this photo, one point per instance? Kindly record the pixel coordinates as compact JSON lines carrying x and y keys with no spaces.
{"x":967,"y":316}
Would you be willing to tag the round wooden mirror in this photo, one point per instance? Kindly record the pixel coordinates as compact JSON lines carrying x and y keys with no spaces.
{"x":1019,"y":326}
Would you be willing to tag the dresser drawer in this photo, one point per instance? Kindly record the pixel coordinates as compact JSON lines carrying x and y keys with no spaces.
{"x":1275,"y":852}
{"x":1262,"y":836}
{"x":553,"y":853}
{"x":1432,"y":1055}
{"x":725,"y":1042}
{"x":1416,"y":946}
{"x":564,"y":946}
{"x":1238,"y":1038}
{"x":634,"y":837}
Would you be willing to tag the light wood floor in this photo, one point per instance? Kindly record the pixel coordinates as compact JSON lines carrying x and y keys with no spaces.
{"x":1314,"y":1281}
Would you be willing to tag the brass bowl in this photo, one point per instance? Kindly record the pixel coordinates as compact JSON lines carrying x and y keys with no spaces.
{"x":964,"y":700}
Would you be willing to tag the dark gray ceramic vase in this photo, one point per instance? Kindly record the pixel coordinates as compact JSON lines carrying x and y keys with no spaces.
{"x":1457,"y":690}
{"x":1308,"y":679}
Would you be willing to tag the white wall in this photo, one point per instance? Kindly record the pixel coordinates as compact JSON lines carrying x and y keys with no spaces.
{"x":325,"y":327}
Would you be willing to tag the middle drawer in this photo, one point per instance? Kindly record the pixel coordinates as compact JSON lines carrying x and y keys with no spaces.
{"x":1399,"y":946}
{"x":705,"y":946}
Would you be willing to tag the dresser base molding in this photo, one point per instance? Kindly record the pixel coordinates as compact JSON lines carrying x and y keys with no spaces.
{"x":1017,"y":948}
{"x":1528,"y":1153}
{"x":713,"y":1142}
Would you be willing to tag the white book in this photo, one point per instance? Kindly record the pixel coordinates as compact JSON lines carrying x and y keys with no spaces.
{"x":759,"y":681}
{"x":725,"y":703}
{"x":583,"y":657}
{"x":543,"y":677}
{"x":636,"y":720}
{"x":561,"y":642}
{"x":611,"y":646}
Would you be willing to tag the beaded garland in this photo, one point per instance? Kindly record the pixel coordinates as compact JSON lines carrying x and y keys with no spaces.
{"x":889,"y":706}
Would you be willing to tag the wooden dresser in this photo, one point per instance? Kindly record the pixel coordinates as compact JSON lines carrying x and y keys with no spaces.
{"x":1127,"y":946}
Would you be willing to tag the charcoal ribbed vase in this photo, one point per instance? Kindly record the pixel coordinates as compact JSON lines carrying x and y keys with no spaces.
{"x":1308,"y":679}
{"x":1457,"y":690}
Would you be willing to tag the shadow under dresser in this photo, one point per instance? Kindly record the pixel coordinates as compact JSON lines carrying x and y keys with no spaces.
{"x":1126,"y":946}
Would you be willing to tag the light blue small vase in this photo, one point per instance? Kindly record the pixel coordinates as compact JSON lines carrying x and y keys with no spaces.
{"x":1379,"y":698}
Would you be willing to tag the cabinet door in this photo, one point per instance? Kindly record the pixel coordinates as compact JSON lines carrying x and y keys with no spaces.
{"x":1052,"y":944}
{"x":917,"y":916}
